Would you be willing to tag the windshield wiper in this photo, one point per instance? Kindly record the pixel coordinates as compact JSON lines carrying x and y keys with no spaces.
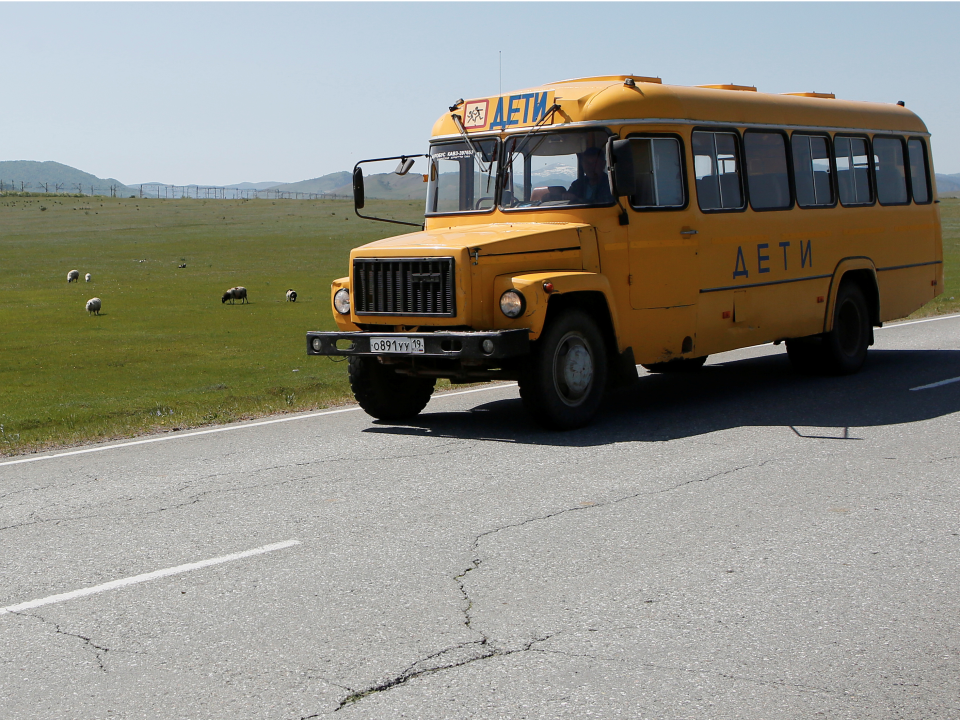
{"x":477,"y":156}
{"x":527,"y":135}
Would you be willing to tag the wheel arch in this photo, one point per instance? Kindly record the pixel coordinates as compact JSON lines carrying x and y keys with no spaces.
{"x":863,"y":272}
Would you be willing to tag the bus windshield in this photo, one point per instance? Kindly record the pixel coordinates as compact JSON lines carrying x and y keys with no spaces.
{"x":462,"y":179}
{"x":557,"y":169}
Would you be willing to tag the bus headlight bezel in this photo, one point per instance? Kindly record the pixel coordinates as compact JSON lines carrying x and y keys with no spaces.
{"x":341,"y":301}
{"x":512,"y":303}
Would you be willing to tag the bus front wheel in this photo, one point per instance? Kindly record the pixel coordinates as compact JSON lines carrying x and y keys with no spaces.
{"x":385,"y":394}
{"x":563,"y":381}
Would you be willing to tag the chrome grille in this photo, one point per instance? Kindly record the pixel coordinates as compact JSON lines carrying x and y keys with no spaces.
{"x":407,"y":286}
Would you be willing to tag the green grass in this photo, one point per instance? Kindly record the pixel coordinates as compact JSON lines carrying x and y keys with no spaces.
{"x":949,"y":300}
{"x":164,"y":352}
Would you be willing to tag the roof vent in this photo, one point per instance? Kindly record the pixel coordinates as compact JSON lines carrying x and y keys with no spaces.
{"x":611,"y":78}
{"x":827,"y":96}
{"x":743,"y":88}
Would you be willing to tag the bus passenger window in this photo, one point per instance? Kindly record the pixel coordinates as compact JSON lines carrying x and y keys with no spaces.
{"x":890,"y":171}
{"x":767,"y":178}
{"x":811,"y":170}
{"x":656,"y":166}
{"x":716,"y":163}
{"x":853,"y":170}
{"x":919,"y":177}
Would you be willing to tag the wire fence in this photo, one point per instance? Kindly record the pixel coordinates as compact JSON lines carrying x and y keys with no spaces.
{"x":169,"y":192}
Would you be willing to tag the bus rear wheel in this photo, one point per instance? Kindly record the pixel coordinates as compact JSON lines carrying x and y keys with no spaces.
{"x":563,"y":381}
{"x":385,"y":394}
{"x":845,"y":347}
{"x":843,"y":350}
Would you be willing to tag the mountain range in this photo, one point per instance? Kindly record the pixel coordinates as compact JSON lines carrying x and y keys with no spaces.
{"x":36,"y":176}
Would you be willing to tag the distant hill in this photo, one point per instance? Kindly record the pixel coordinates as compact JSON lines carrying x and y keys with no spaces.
{"x":254,"y":186}
{"x":948,"y":183}
{"x":384,"y":187}
{"x":53,"y":173}
{"x":334,"y":182}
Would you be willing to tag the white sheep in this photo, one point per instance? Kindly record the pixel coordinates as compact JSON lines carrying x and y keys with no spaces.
{"x":87,"y":277}
{"x":291,"y":295}
{"x":235,"y":293}
{"x":73,"y":275}
{"x":93,"y":306}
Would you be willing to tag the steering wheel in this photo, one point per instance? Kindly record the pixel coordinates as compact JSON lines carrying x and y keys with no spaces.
{"x":486,"y":197}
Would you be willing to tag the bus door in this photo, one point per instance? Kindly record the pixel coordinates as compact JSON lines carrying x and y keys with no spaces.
{"x":663,"y":243}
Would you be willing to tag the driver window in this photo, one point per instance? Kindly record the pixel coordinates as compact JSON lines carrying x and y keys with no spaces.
{"x":557,"y":169}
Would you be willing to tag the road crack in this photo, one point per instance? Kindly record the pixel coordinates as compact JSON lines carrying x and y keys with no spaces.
{"x":484,"y":648}
{"x":99,"y":651}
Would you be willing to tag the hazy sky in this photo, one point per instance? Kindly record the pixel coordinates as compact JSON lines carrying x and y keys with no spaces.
{"x":226,"y":92}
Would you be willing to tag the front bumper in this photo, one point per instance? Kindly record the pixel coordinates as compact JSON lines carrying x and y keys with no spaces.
{"x":449,"y":345}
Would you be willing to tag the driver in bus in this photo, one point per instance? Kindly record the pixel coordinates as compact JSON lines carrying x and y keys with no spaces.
{"x":592,"y":187}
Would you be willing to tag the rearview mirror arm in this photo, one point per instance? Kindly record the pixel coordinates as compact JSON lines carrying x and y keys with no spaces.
{"x":358,"y":197}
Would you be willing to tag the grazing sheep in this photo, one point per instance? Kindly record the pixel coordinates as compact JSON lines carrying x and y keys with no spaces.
{"x":235,"y":293}
{"x":87,"y":277}
{"x":291,"y":295}
{"x":93,"y":306}
{"x":73,"y":275}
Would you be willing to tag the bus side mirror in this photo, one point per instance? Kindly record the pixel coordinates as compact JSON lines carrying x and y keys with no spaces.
{"x":404,"y":167}
{"x":620,"y":168}
{"x":357,"y":188}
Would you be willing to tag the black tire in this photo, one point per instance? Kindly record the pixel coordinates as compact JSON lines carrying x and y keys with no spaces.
{"x":843,"y":350}
{"x":678,"y":365}
{"x":385,"y":394}
{"x":563,"y":380}
{"x":845,"y":347}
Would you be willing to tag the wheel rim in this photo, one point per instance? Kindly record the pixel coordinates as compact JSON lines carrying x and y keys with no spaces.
{"x":573,"y":369}
{"x":849,"y":328}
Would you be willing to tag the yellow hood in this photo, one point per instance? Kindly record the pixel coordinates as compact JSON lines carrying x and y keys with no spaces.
{"x":491,"y":239}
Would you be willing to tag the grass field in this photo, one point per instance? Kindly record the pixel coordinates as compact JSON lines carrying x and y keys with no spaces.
{"x":165,"y":353}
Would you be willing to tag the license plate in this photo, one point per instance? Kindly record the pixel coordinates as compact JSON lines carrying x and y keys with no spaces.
{"x":400,"y":345}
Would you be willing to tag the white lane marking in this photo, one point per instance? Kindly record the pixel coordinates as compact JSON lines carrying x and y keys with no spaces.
{"x":114,"y":584}
{"x":937,"y":384}
{"x":916,"y":322}
{"x":229,"y":428}
{"x":473,"y":390}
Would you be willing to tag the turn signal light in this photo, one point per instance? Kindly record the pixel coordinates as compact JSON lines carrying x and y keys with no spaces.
{"x":548,"y":287}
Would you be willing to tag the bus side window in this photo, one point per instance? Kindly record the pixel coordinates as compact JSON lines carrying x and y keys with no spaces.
{"x":919,"y":176}
{"x":853,"y":170}
{"x":657,"y":168}
{"x":716,"y":162}
{"x":767,"y":178}
{"x":811,"y":171}
{"x":890,"y":171}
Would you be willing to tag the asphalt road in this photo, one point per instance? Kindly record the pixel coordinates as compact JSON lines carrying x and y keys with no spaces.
{"x":741,"y":543}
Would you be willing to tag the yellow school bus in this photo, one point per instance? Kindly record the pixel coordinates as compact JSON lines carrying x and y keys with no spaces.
{"x":577,"y":229}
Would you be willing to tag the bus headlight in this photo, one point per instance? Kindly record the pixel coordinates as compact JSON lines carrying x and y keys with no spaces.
{"x":512,"y":303}
{"x":341,"y":301}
